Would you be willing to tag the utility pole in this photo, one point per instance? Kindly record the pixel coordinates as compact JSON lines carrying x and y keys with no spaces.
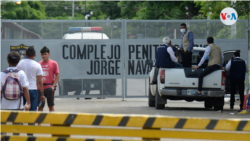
{"x":73,"y":6}
{"x":233,"y":27}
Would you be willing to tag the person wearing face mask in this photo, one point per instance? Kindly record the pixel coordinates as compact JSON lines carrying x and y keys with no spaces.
{"x":165,"y":58}
{"x":187,"y":43}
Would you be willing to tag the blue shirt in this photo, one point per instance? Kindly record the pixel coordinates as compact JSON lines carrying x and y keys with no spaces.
{"x":191,"y":40}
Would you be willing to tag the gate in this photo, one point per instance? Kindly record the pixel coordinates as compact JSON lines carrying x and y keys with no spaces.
{"x":109,"y":59}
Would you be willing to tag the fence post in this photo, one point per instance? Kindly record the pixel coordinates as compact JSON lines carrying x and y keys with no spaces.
{"x":124,"y":77}
{"x":1,"y":32}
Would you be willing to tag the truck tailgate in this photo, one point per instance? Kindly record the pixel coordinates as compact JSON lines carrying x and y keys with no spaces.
{"x":186,"y":78}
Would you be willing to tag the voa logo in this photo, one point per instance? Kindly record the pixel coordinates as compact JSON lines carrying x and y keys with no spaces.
{"x":228,"y":16}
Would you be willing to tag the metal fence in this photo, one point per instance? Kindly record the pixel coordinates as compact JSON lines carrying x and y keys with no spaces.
{"x":112,"y":62}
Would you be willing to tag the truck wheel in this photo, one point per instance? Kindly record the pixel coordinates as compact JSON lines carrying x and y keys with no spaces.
{"x":218,"y":103}
{"x":159,"y":101}
{"x":208,"y":104}
{"x":151,"y":98}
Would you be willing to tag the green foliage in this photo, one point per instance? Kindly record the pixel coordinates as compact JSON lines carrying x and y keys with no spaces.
{"x":26,"y":10}
{"x":242,"y":8}
{"x":104,"y":9}
{"x":215,"y":7}
{"x":157,"y":9}
{"x":61,"y":9}
{"x":199,"y":17}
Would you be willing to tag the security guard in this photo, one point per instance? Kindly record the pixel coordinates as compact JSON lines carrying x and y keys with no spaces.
{"x":165,"y":58}
{"x":238,"y":69}
{"x":187,"y":43}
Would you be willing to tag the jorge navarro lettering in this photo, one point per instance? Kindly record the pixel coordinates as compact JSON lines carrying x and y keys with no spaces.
{"x":137,"y":56}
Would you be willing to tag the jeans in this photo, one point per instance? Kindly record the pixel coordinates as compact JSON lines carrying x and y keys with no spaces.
{"x":33,"y":100}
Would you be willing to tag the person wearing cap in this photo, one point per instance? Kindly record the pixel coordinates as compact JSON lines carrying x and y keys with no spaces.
{"x":165,"y":58}
{"x":187,"y":43}
{"x":238,"y":69}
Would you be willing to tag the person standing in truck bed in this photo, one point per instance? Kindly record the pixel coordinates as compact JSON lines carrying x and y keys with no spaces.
{"x":187,"y":43}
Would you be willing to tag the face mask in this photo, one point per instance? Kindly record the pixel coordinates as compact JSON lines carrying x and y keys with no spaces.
{"x":183,"y":30}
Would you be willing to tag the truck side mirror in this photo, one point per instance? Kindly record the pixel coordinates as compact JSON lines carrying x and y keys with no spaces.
{"x":149,"y":62}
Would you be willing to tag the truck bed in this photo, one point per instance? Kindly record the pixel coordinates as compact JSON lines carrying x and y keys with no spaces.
{"x":183,"y":82}
{"x":188,"y":78}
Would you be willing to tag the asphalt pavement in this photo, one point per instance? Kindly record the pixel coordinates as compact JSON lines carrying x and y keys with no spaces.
{"x":140,"y":106}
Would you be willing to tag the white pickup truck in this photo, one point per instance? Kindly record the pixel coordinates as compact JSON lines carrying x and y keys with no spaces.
{"x":181,"y":84}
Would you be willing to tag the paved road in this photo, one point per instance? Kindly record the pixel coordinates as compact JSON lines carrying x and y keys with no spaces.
{"x":139,"y":106}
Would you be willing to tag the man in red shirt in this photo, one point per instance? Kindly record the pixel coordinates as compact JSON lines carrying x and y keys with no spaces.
{"x":50,"y":78}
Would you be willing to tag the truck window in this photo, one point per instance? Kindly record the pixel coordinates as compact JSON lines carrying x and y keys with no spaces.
{"x":227,"y":57}
{"x":196,"y":57}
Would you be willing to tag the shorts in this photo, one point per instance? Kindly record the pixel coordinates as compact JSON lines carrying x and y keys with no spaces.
{"x":49,"y":94}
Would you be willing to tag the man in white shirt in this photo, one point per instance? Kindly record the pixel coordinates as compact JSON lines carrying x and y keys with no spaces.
{"x":165,"y":58}
{"x":216,"y":60}
{"x":13,"y":59}
{"x":34,"y":74}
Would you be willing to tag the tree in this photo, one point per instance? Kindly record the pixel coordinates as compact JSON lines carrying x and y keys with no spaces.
{"x":159,"y":9}
{"x":111,"y":9}
{"x":26,"y":10}
{"x":213,"y":8}
{"x":63,"y":9}
{"x":243,"y":9}
{"x":104,"y":9}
